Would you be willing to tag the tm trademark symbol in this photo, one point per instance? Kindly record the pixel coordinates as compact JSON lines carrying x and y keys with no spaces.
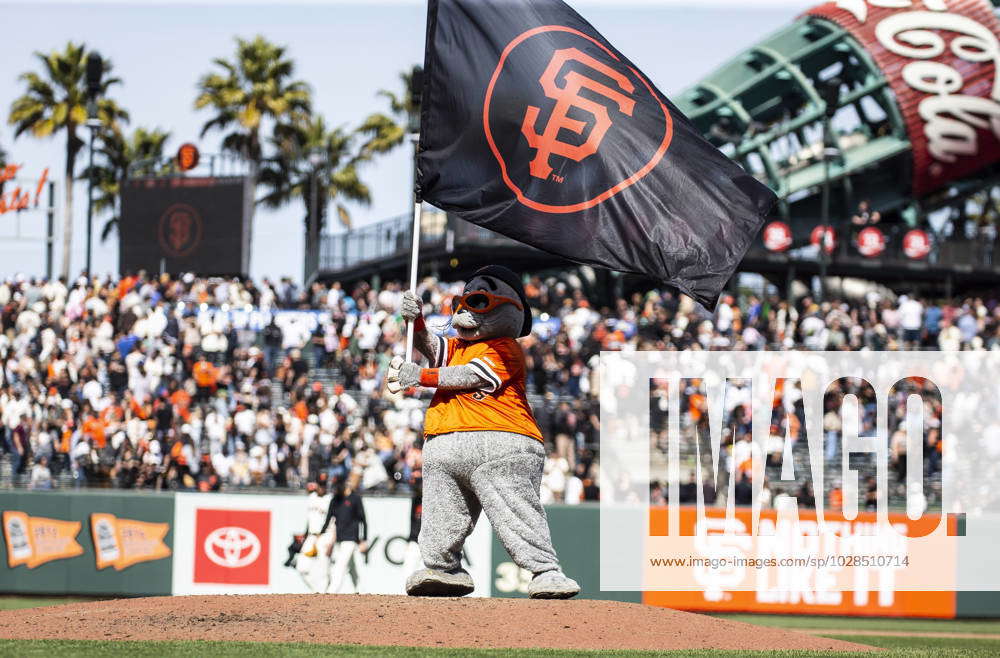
{"x":557,"y":178}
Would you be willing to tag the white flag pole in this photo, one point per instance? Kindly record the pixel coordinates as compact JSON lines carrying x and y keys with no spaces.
{"x":415,"y":249}
{"x":414,"y":258}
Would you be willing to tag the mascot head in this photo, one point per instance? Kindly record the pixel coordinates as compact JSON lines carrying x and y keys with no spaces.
{"x":492,"y":305}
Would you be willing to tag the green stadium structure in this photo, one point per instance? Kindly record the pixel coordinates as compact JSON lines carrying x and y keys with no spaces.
{"x":891,"y":102}
{"x":838,"y":99}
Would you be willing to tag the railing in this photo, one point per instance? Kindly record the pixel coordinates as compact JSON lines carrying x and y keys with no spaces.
{"x":375,"y":242}
{"x":960,"y":255}
{"x":391,"y":237}
{"x":221,"y":165}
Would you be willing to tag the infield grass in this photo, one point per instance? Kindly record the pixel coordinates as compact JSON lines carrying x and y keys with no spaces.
{"x":852,"y":624}
{"x":966,"y":646}
{"x":896,"y":648}
{"x":19,"y":602}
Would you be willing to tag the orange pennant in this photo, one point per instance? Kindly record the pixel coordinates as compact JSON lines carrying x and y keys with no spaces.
{"x":35,"y":540}
{"x":120,"y":543}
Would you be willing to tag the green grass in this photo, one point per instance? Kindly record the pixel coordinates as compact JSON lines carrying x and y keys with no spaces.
{"x":872,"y":624}
{"x":932,"y":645}
{"x":19,"y":602}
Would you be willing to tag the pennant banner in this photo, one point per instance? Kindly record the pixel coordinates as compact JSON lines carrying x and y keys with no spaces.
{"x":535,"y":127}
{"x":120,"y":543}
{"x":35,"y":540}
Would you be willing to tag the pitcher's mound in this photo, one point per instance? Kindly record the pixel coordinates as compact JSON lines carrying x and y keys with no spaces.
{"x":401,"y":621}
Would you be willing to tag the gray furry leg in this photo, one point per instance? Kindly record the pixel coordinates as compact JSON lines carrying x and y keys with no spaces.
{"x":507,"y":484}
{"x":450,"y":511}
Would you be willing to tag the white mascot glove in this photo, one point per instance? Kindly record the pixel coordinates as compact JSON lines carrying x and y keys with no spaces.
{"x":401,"y":375}
{"x":411,"y":307}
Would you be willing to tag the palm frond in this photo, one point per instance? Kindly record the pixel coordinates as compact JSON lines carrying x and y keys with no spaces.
{"x":54,"y":99}
{"x":110,"y":227}
{"x":250,"y":91}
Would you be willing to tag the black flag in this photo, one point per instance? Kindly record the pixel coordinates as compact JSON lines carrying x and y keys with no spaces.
{"x":535,"y":127}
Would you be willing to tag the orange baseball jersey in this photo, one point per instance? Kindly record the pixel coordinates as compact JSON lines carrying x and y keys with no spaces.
{"x":499,"y":406}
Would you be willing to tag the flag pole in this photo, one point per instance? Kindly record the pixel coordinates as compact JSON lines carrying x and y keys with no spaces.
{"x":416,"y":84}
{"x":415,"y":244}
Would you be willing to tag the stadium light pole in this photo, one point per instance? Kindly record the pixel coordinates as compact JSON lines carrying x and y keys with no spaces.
{"x":831,"y":98}
{"x":95,"y":71}
{"x":316,"y":158}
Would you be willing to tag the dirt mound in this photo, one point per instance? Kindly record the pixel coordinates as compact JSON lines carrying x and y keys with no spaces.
{"x":401,"y":621}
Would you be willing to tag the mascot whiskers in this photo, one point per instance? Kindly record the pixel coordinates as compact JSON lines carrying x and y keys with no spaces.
{"x":483,"y":451}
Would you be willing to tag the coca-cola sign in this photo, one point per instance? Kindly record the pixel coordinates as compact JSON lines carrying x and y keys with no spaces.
{"x":942,"y":60}
{"x":871,"y":242}
{"x":916,"y":244}
{"x":777,"y":236}
{"x":826,"y":235}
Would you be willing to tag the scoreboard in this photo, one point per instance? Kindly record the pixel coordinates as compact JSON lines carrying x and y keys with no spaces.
{"x":186,"y":224}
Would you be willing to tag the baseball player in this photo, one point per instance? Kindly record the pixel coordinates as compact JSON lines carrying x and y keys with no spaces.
{"x":320,"y":536}
{"x":346,"y":513}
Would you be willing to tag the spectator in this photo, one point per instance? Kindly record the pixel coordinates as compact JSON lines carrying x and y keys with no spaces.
{"x":103,"y":376}
{"x":41,"y":476}
{"x":554,"y":475}
{"x":205,"y":377}
{"x":865,"y":216}
{"x":743,"y":491}
{"x":21,"y":444}
{"x":911,"y":319}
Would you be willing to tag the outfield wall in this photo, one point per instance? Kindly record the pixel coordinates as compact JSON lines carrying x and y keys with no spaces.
{"x":87,"y":542}
{"x":135,"y":544}
{"x":139,"y":544}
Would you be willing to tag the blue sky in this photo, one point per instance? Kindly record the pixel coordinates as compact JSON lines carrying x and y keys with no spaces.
{"x":346,"y":50}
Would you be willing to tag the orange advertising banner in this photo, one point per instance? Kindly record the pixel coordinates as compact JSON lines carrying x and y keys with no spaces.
{"x":747,"y":574}
{"x":120,"y":543}
{"x":868,"y":604}
{"x":35,"y":540}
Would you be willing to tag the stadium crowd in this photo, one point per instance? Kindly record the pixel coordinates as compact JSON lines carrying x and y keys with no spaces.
{"x":207,"y":384}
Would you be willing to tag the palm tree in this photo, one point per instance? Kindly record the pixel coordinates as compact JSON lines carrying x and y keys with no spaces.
{"x":56,"y":100}
{"x":256,"y":85}
{"x":387,"y":131}
{"x":119,"y":155}
{"x":3,"y":165}
{"x":309,"y":152}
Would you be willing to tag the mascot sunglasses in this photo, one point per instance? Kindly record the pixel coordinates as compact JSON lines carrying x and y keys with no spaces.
{"x":481,"y":301}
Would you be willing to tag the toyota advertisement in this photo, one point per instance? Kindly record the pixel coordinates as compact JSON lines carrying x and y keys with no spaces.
{"x":238,"y":544}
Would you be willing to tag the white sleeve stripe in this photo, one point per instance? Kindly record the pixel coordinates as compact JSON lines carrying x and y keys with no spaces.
{"x":442,"y":355}
{"x":487,"y":372}
{"x":490,"y":385}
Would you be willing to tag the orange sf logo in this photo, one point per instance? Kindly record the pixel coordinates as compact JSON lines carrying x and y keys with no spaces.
{"x":610,"y":87}
{"x":567,"y":97}
{"x":180,"y":230}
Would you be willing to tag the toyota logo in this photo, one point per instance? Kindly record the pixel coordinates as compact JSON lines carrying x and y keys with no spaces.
{"x":232,"y":547}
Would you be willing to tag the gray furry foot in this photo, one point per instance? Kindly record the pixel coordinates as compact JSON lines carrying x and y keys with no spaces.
{"x":431,"y":582}
{"x":552,"y":585}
